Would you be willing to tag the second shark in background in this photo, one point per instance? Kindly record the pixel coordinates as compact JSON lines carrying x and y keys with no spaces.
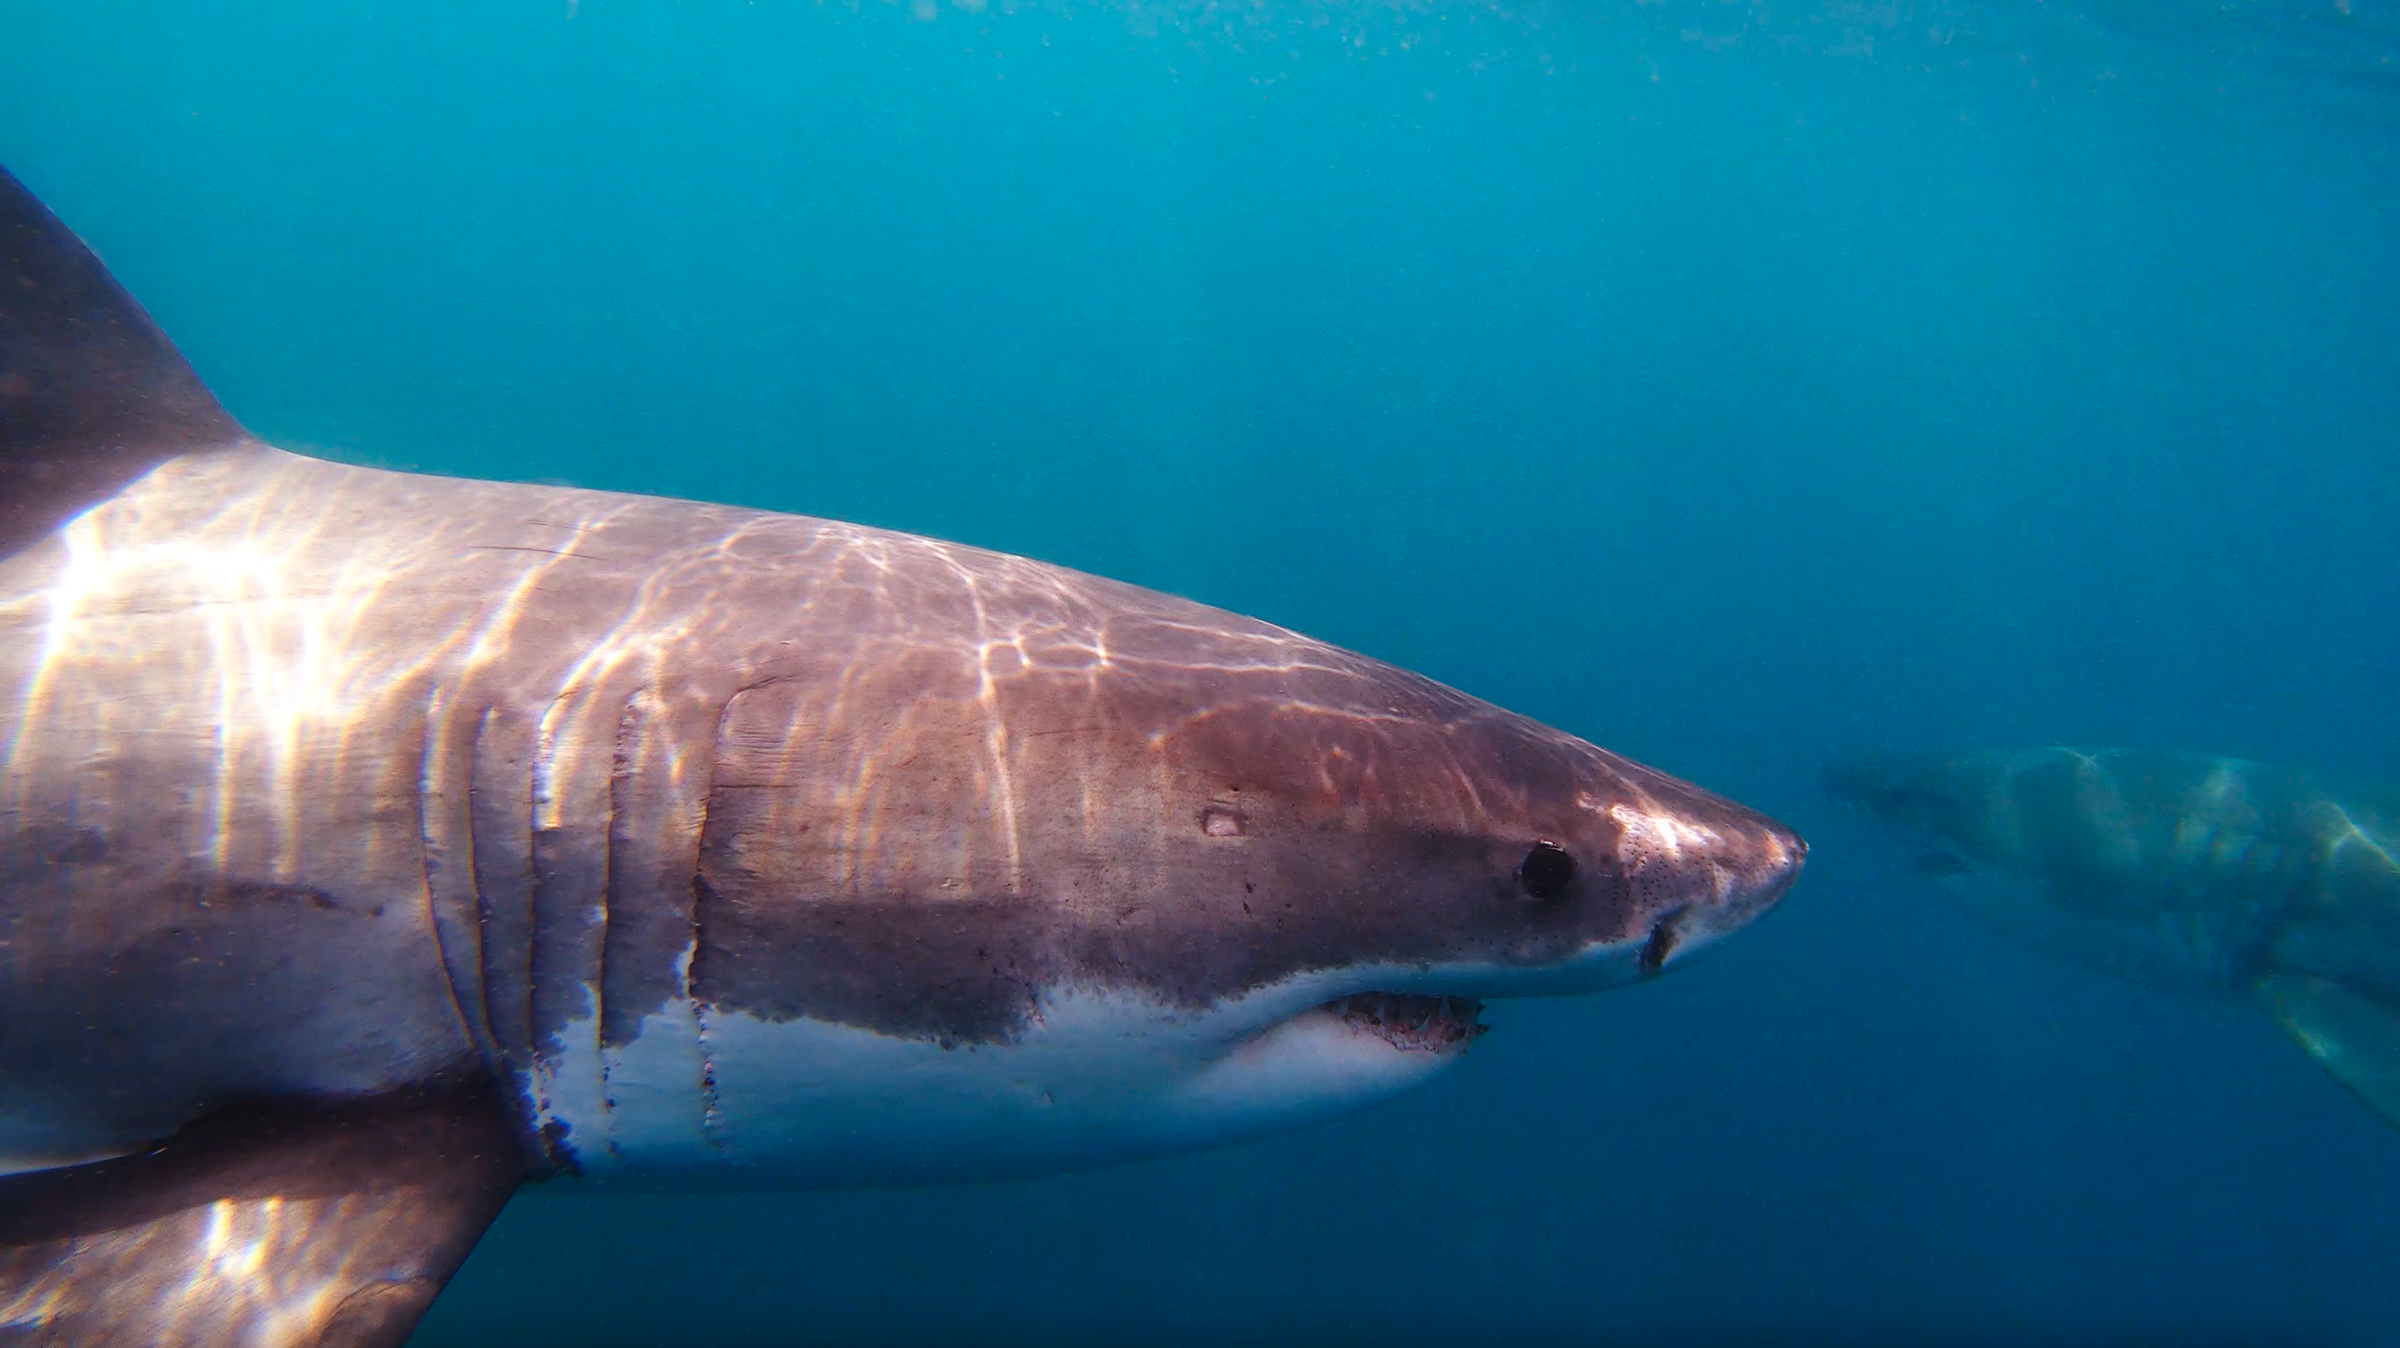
{"x":2212,"y":875}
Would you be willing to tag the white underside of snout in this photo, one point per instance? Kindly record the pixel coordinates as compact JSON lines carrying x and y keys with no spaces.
{"x":704,"y":1098}
{"x":1310,"y":1066}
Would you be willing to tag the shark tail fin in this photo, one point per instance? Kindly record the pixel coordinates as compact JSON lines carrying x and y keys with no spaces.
{"x":92,"y":394}
{"x":2353,"y":1036}
{"x":323,"y":1224}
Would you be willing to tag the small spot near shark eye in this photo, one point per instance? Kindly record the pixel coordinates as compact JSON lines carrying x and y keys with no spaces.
{"x":1218,"y":822}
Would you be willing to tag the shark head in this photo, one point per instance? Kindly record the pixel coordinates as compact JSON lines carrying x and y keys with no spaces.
{"x":1161,"y":877}
{"x":1941,"y":803}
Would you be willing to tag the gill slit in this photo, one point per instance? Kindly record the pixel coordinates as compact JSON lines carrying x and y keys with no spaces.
{"x":428,"y":767}
{"x":712,"y":1111}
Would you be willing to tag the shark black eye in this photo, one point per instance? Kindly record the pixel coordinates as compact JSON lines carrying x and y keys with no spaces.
{"x":1546,"y":871}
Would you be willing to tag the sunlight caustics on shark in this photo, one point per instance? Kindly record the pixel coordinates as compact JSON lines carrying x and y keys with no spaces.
{"x":2209,"y":875}
{"x":372,"y":843}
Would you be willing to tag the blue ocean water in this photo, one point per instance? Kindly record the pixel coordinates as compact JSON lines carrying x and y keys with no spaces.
{"x":1738,"y":388}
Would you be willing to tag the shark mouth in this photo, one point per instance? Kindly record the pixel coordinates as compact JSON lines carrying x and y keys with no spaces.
{"x":1412,"y":1023}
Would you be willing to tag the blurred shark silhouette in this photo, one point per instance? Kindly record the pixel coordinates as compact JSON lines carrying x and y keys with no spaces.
{"x":2210,"y":875}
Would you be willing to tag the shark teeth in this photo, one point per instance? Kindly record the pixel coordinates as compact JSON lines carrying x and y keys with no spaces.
{"x":1412,"y":1023}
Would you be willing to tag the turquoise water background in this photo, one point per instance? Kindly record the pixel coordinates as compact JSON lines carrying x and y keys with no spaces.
{"x":1735,"y":387}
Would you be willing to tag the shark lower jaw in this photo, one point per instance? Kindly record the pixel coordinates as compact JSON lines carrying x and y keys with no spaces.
{"x":1410,"y":1022}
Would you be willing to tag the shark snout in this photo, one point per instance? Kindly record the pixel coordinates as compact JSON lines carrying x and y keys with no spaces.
{"x":1697,"y":880}
{"x":1755,"y":871}
{"x":1857,"y":786}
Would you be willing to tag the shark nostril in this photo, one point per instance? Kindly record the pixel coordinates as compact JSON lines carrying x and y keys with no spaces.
{"x":1663,"y":937}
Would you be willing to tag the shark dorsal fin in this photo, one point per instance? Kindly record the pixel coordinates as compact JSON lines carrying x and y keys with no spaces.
{"x":92,"y":394}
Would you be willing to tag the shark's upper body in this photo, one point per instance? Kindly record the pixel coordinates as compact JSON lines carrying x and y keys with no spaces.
{"x":379,"y":841}
{"x":2219,"y":876}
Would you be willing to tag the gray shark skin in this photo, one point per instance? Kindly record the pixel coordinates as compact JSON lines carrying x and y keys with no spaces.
{"x":2213,"y":876}
{"x":372,"y":843}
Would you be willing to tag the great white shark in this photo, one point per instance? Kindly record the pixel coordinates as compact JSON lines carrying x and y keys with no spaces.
{"x":372,"y":844}
{"x":2216,"y":876}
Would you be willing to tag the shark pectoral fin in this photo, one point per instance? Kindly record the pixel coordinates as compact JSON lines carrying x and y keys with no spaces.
{"x":2355,"y":1037}
{"x":299,"y":1224}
